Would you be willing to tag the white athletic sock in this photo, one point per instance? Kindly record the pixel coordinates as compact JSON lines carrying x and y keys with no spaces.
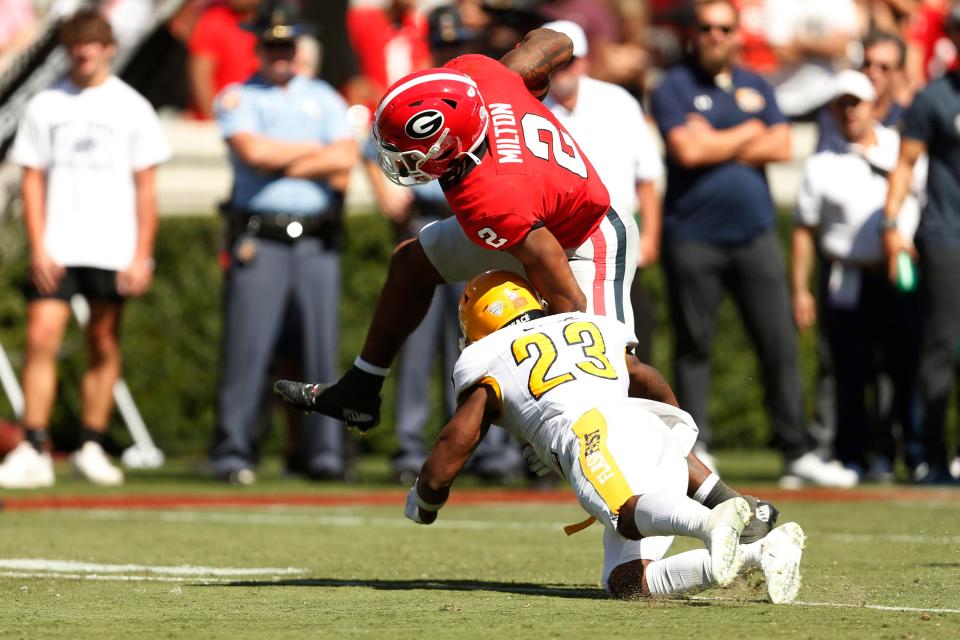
{"x":372,"y":369}
{"x":681,"y":573}
{"x":704,"y":489}
{"x":751,"y":554}
{"x":667,"y":513}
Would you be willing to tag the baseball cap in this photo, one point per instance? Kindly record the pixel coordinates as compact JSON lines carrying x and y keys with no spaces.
{"x":853,"y":83}
{"x":573,"y":31}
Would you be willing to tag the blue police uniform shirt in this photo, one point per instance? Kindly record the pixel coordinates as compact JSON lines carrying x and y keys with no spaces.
{"x":725,"y":203}
{"x":934,"y":119}
{"x":305,"y":110}
{"x":831,"y":138}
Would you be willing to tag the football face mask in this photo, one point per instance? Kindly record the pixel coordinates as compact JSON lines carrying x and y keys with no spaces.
{"x":405,"y":168}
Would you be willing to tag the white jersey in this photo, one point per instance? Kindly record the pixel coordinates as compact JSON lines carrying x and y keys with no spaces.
{"x":89,"y":142}
{"x":547,"y":373}
{"x":562,"y":383}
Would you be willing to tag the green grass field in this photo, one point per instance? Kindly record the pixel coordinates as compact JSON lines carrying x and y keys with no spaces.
{"x":496,"y":570}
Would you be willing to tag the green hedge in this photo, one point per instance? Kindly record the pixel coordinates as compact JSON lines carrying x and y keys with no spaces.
{"x":171,"y":339}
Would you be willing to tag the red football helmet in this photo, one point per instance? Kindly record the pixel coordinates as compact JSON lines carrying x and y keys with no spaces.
{"x":425,"y":122}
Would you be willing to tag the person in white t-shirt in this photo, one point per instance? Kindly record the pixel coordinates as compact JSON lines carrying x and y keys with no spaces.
{"x":609,"y":126}
{"x":89,"y":148}
{"x":840,"y":215}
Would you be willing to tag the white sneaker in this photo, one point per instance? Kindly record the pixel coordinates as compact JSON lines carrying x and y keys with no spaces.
{"x":727,"y":521}
{"x":26,"y":468}
{"x":810,"y":469}
{"x":92,"y":463}
{"x":780,"y":553}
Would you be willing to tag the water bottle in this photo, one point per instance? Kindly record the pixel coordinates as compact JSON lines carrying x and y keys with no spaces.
{"x":906,"y":279}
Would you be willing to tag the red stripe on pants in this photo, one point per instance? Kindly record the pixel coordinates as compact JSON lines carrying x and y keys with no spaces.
{"x":600,"y":274}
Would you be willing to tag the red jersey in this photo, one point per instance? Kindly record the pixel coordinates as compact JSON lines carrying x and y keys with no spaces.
{"x":387,"y":52}
{"x":218,"y":35}
{"x":532,"y":173}
{"x":927,"y":31}
{"x":755,"y":53}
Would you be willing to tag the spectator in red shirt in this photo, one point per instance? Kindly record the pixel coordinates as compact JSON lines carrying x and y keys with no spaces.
{"x":930,"y":52}
{"x":221,"y":51}
{"x":389,"y":42}
{"x":755,"y":52}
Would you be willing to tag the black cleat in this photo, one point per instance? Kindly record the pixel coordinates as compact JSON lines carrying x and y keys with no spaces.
{"x":763,"y":518}
{"x":298,"y":394}
{"x":342,"y":401}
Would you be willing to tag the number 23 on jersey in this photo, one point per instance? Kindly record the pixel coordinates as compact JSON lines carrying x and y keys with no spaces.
{"x":541,"y":347}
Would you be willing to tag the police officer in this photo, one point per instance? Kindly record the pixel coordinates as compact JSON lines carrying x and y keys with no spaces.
{"x":291,"y":151}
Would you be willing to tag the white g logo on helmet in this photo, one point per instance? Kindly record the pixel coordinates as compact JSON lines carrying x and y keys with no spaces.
{"x":424,"y":124}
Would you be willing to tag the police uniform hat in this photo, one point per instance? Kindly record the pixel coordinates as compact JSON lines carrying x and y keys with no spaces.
{"x":277,"y":22}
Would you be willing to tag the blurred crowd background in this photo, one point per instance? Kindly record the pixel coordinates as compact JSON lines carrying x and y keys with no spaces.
{"x":176,"y":44}
{"x":185,"y":58}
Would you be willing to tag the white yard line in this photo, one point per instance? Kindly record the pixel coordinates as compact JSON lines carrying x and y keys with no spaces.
{"x":53,"y":575}
{"x":399,"y":522}
{"x":305,"y":520}
{"x":841,"y":605}
{"x":183,"y":571}
{"x":900,"y":538}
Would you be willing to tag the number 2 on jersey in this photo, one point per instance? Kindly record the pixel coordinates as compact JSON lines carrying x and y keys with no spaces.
{"x":533,"y":124}
{"x":582,"y":333}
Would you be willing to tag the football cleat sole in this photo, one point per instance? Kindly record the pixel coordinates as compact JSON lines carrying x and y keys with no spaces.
{"x":780,"y":554}
{"x":726,"y":523}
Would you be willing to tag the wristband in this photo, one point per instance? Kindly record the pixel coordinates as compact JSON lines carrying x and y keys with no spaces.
{"x":888,"y":224}
{"x":423,"y":504}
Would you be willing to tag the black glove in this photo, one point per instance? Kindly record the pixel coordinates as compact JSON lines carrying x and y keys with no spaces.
{"x":763,"y":518}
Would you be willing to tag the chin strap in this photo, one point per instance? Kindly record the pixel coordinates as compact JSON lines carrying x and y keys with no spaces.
{"x":470,"y":155}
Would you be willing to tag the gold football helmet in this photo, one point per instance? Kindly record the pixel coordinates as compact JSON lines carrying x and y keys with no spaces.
{"x":495,"y":299}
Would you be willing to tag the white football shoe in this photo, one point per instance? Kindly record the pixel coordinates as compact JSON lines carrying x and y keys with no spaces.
{"x":91,"y":462}
{"x":810,"y":469}
{"x":780,"y":552}
{"x":26,"y":468}
{"x":727,"y":521}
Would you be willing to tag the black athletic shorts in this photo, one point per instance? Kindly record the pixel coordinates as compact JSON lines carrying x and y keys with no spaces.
{"x":94,"y":284}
